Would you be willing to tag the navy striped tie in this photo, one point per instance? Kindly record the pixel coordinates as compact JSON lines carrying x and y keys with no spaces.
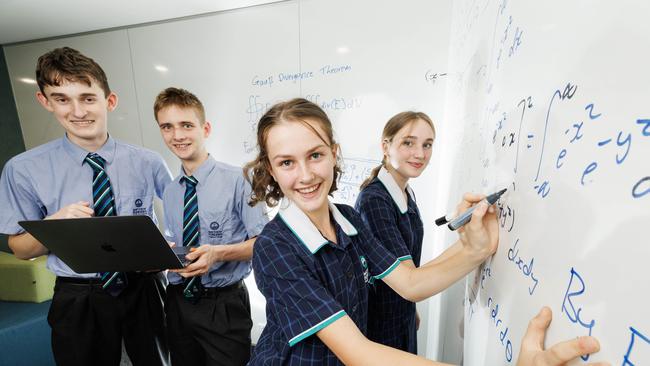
{"x":191,"y":229}
{"x":104,"y":205}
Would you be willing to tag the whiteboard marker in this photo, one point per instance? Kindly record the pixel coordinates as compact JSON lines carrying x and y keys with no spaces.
{"x":467,"y":215}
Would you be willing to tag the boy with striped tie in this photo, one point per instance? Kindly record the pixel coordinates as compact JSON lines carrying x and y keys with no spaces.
{"x":208,"y":312}
{"x":87,"y":173}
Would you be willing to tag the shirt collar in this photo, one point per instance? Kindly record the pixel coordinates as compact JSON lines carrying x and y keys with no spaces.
{"x":78,"y":154}
{"x":203,"y":171}
{"x":393,"y":189}
{"x":305,"y":230}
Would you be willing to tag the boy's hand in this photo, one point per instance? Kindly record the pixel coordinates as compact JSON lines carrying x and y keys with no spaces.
{"x":75,"y":210}
{"x":203,"y":258}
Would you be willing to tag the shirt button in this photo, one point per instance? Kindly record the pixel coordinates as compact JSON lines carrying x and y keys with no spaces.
{"x":354,"y":309}
{"x":350,"y":274}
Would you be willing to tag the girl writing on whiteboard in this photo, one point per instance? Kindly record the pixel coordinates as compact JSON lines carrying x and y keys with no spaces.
{"x":387,"y":205}
{"x":315,"y":260}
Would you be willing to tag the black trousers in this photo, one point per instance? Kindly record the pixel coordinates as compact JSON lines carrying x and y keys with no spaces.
{"x":88,"y":324}
{"x":216,"y":330}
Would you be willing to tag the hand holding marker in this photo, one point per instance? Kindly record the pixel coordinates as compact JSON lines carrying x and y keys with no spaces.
{"x":467,"y":215}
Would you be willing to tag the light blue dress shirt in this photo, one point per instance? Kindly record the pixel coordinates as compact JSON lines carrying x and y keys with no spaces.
{"x":224,"y":214}
{"x":41,"y":181}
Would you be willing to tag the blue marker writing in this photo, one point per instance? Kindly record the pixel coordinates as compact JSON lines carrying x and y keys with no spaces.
{"x":467,"y":215}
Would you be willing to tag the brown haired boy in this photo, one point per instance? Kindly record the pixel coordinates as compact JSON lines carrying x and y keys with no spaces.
{"x":208,"y":312}
{"x":87,"y":173}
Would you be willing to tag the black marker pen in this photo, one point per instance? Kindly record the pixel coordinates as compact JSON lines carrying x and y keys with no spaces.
{"x":467,"y":215}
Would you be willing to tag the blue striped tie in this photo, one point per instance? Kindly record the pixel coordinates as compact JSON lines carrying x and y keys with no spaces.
{"x":104,"y":205}
{"x":191,"y":229}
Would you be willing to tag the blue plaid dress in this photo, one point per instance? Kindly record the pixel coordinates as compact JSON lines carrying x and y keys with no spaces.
{"x":396,"y":223}
{"x":310,"y":282}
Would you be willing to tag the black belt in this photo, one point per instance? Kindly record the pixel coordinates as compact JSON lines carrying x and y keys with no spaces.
{"x":98,"y":281}
{"x":79,"y":281}
{"x":208,"y":292}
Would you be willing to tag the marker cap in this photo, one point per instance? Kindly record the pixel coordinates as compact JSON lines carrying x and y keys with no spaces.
{"x":441,"y":220}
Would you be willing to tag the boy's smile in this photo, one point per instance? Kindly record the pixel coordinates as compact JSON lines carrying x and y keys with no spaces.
{"x":81,"y":110}
{"x":184,"y":134}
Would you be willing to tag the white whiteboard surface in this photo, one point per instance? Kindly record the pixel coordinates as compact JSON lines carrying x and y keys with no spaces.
{"x":550,"y":100}
{"x":362,"y":61}
{"x":216,"y":57}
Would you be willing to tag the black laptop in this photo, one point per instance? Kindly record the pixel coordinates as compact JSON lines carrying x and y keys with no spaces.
{"x":106,"y":244}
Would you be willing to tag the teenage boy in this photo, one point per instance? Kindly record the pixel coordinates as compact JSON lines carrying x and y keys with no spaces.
{"x":206,"y":212}
{"x":87,"y":173}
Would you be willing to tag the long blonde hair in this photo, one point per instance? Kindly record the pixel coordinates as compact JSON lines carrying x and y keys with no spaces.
{"x":392,"y":127}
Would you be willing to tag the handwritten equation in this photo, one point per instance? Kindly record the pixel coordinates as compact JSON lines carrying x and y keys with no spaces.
{"x":507,"y":136}
{"x":355,"y":171}
{"x":537,"y":112}
{"x":510,"y":38}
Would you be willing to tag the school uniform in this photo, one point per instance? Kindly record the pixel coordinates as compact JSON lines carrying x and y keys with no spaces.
{"x":212,"y":327}
{"x":395,"y":222}
{"x":310,"y":282}
{"x":88,"y":323}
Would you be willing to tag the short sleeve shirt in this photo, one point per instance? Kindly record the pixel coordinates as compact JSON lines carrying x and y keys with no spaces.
{"x":39,"y":182}
{"x":224,"y":215}
{"x":395,"y":221}
{"x":310,"y":282}
{"x":392,"y":217}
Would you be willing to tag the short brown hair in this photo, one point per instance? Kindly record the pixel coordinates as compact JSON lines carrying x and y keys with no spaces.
{"x":257,"y":172}
{"x":179,"y":98}
{"x":392,"y":127}
{"x":70,"y":65}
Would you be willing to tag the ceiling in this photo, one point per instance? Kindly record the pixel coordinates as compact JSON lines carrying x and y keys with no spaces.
{"x":25,"y":20}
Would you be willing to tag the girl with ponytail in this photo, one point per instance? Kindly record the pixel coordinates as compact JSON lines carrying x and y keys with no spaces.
{"x":387,"y":204}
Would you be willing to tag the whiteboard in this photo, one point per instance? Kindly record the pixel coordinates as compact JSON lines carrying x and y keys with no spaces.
{"x":549,"y":100}
{"x":361,"y":61}
{"x":216,"y":57}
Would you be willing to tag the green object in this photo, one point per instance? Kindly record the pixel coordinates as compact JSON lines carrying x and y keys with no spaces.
{"x":25,"y":280}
